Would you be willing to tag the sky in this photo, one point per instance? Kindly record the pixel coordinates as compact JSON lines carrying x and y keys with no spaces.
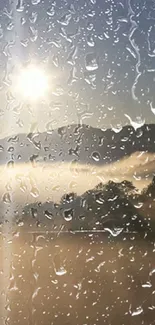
{"x":100,"y":56}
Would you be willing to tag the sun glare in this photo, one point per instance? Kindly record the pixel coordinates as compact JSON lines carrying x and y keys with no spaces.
{"x":32,"y":83}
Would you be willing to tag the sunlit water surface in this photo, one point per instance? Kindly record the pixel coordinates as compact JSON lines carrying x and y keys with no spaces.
{"x":77,"y":279}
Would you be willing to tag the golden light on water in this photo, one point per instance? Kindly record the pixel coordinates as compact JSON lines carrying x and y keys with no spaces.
{"x":32,"y":83}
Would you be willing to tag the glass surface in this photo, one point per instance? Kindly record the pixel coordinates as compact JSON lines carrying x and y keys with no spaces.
{"x":77,"y":162}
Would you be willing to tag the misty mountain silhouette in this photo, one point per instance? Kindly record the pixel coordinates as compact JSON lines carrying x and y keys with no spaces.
{"x":81,"y":143}
{"x":106,"y":207}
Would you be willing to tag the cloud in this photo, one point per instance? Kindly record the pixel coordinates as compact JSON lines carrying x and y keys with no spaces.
{"x":27,"y":184}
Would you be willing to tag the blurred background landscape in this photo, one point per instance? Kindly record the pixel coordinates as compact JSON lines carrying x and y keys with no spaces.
{"x":77,"y":162}
{"x":79,"y":177}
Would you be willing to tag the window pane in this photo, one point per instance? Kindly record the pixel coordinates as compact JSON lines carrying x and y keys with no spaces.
{"x":77,"y":150}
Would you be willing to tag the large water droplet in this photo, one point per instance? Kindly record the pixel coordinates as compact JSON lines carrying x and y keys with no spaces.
{"x":20,"y":6}
{"x":136,"y":124}
{"x":147,"y":285}
{"x":68,"y":214}
{"x":138,"y":205}
{"x":91,"y":62}
{"x":136,"y":312}
{"x":115,"y":231}
{"x":61,"y":271}
{"x":10,"y":149}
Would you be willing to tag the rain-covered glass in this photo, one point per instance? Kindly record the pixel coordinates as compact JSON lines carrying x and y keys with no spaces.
{"x":77,"y":162}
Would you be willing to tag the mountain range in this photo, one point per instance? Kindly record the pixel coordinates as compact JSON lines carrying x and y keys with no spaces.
{"x":81,"y":143}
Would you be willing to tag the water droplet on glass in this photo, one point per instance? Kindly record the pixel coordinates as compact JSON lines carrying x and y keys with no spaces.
{"x":91,"y":13}
{"x":51,"y":12}
{"x":35,"y":2}
{"x":33,"y":17}
{"x":1,"y":32}
{"x":48,"y":215}
{"x":7,"y":198}
{"x":34,"y":212}
{"x":117,"y":128}
{"x":152,"y":272}
{"x":136,"y":312}
{"x":23,"y":20}
{"x":82,"y":217}
{"x":136,"y":124}
{"x":20,"y":6}
{"x":24,"y":42}
{"x":152,"y":108}
{"x":61,"y":271}
{"x":59,"y":91}
{"x":99,"y":266}
{"x":10,"y":26}
{"x":90,"y":78}
{"x":34,"y":35}
{"x":96,"y":156}
{"x":10,"y":149}
{"x":68,"y":214}
{"x":34,"y":192}
{"x":115,"y":231}
{"x":90,"y":41}
{"x":138,"y":205}
{"x":71,"y":56}
{"x":147,"y":285}
{"x":35,"y":293}
{"x":91,"y":62}
{"x":90,"y":26}
{"x":65,"y":19}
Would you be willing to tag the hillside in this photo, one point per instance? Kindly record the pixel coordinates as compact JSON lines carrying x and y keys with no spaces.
{"x":106,"y":207}
{"x":80,"y":143}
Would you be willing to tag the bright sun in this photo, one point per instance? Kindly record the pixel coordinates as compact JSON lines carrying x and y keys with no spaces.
{"x":32,"y":83}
